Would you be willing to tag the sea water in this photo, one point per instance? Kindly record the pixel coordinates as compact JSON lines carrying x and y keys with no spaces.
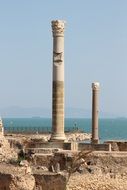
{"x":109,"y":129}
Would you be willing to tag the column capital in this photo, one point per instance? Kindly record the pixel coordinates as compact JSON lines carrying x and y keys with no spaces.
{"x":58,"y":27}
{"x":95,"y":85}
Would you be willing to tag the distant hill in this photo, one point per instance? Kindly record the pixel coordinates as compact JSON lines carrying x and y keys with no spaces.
{"x":85,"y":113}
{"x":16,"y":111}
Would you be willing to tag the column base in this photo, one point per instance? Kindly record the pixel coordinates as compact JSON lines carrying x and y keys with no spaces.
{"x":95,"y":141}
{"x":57,"y":137}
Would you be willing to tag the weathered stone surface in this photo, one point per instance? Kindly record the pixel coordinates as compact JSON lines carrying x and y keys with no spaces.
{"x":13,"y":177}
{"x":50,"y":182}
{"x":13,"y":182}
{"x":58,"y":110}
{"x":6,"y":153}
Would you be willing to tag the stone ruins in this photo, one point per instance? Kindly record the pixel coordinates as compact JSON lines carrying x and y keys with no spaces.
{"x":45,"y":161}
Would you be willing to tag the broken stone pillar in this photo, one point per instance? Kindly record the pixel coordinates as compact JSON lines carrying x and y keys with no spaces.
{"x":58,"y":81}
{"x":1,"y":127}
{"x":95,"y":112}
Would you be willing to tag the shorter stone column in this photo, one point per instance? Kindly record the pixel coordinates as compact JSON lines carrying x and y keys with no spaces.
{"x":95,"y":112}
{"x":1,"y":127}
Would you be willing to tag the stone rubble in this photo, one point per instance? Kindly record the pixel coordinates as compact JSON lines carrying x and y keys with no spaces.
{"x":72,"y":136}
{"x":96,"y":182}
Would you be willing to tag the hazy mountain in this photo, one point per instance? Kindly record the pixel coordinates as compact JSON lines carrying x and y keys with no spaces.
{"x":85,"y":113}
{"x":16,"y":111}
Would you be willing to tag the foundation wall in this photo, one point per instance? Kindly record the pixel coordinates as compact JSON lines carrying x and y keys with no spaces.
{"x":54,"y":145}
{"x":94,"y":147}
{"x":118,"y":145}
{"x":72,"y":146}
{"x":47,"y":145}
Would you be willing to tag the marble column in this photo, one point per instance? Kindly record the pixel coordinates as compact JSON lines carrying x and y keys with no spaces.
{"x":58,"y":81}
{"x":95,"y":112}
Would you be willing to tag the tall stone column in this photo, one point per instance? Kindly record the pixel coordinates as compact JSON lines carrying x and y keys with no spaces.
{"x":58,"y":81}
{"x":95,"y":112}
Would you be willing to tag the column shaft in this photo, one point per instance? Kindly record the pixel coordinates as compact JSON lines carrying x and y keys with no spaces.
{"x":1,"y":127}
{"x":58,"y":82}
{"x":95,"y":112}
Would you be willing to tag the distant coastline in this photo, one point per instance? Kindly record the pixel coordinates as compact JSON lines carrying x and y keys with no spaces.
{"x":109,"y":128}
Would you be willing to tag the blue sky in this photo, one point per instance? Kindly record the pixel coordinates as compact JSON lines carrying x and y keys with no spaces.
{"x":95,"y":50}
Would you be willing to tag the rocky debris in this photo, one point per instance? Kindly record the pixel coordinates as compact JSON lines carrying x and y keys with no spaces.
{"x":43,"y":168}
{"x":78,"y":136}
{"x":96,"y":182}
{"x":24,"y":163}
{"x":105,"y":163}
{"x":72,"y":136}
{"x":100,"y":172}
{"x":40,"y":138}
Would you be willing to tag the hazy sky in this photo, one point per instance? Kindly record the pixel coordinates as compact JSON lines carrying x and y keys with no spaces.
{"x":95,"y":50}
